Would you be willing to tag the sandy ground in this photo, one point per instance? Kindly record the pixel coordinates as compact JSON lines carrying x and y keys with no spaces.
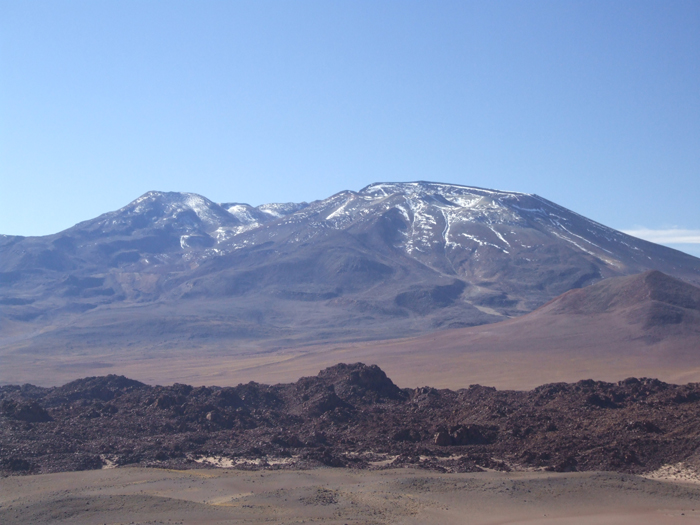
{"x":406,"y":362}
{"x":519,"y":354}
{"x":339,"y":496}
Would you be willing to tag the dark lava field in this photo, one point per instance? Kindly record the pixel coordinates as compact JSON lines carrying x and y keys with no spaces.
{"x":348,"y":416}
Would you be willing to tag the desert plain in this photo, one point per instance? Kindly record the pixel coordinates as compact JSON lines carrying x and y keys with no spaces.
{"x":343,"y":496}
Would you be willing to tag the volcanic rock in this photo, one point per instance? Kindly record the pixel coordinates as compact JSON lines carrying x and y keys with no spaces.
{"x":348,"y":415}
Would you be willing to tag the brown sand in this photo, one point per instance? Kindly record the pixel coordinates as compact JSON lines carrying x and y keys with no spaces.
{"x":339,"y":496}
{"x":517,"y":354}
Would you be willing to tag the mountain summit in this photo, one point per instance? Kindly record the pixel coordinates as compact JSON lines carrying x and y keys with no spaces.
{"x":389,"y":260}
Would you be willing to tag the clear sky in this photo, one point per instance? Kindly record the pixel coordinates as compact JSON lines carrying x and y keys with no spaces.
{"x":592,"y":104}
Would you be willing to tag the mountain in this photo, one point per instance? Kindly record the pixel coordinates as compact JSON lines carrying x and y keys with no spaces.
{"x":176,"y":271}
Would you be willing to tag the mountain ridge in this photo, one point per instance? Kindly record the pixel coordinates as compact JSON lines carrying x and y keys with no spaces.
{"x":390,"y":260}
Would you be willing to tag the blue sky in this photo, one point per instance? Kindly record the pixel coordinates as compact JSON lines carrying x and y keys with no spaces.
{"x":594,"y":105}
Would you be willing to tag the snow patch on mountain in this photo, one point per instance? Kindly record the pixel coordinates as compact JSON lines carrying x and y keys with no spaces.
{"x":282,"y":209}
{"x":174,"y":207}
{"x":439,"y":220}
{"x":242,"y":212}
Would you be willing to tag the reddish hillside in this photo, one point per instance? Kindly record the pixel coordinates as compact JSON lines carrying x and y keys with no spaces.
{"x":657,"y":305}
{"x":641,"y":325}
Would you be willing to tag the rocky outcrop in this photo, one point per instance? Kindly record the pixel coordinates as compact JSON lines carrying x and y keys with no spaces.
{"x":348,"y":415}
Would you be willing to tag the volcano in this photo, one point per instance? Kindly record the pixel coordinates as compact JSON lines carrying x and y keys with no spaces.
{"x":176,"y":274}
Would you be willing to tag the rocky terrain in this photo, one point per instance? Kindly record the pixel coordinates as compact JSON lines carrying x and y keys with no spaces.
{"x":348,"y":416}
{"x":176,"y":271}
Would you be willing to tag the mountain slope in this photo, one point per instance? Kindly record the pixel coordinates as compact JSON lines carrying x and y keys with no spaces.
{"x":657,"y":302}
{"x":641,"y":325}
{"x":393,"y":259}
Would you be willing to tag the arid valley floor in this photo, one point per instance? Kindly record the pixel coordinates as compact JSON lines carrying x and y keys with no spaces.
{"x":339,"y":496}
